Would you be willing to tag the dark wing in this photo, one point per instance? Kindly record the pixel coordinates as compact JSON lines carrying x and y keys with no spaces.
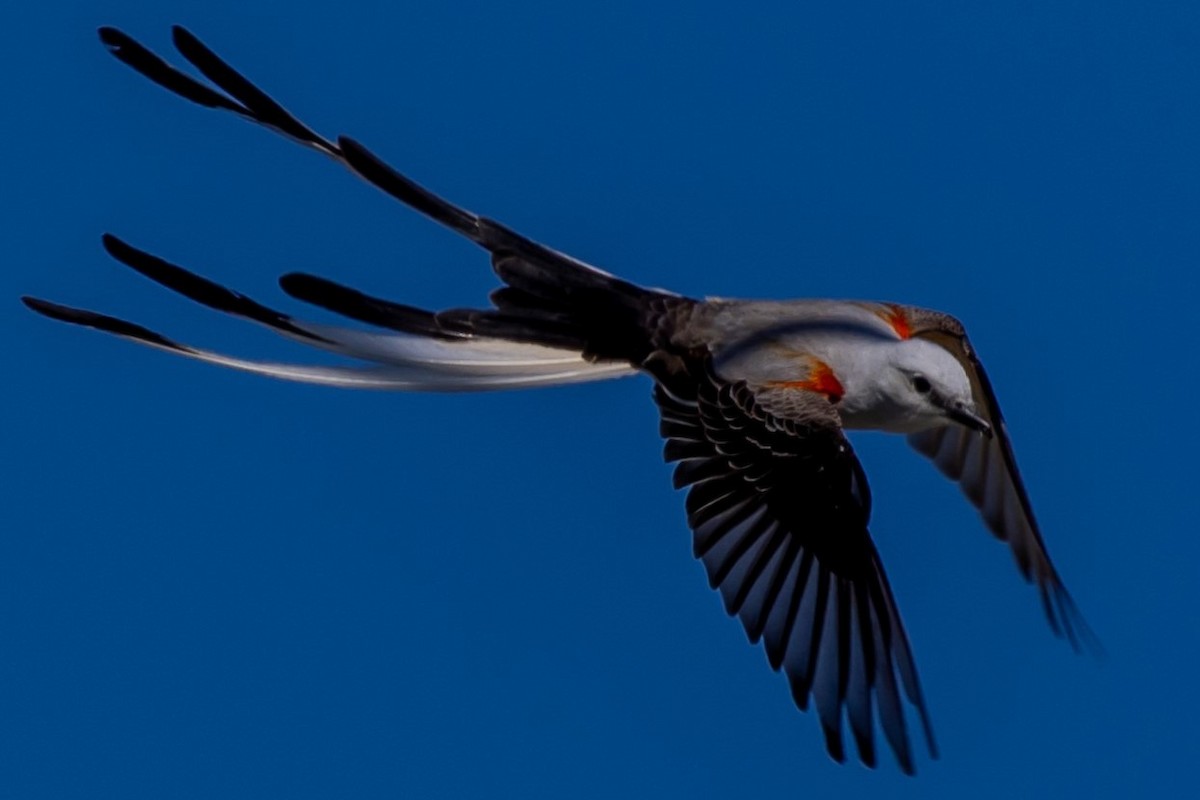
{"x":779,"y":505}
{"x":986,"y":470}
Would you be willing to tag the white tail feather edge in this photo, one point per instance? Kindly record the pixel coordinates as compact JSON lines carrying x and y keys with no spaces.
{"x":418,"y":364}
{"x":482,"y":355}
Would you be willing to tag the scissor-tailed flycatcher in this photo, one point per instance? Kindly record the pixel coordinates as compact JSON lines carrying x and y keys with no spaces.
{"x":754,"y":396}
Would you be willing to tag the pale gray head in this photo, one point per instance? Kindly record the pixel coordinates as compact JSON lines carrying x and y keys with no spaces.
{"x":931,"y":384}
{"x":908,"y":386}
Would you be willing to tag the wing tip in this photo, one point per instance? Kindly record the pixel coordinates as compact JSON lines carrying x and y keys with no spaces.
{"x":866,"y":751}
{"x":834,"y":744}
{"x":1069,"y":623}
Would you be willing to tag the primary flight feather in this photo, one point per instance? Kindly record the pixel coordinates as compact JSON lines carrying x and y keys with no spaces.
{"x":754,"y":398}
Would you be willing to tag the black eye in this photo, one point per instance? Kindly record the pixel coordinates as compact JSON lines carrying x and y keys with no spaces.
{"x":921,"y":384}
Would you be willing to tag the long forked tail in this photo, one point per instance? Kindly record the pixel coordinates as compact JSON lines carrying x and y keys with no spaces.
{"x":416,"y":354}
{"x":556,"y":320}
{"x":550,"y":297}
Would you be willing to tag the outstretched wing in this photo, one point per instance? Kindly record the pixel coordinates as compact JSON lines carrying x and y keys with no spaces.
{"x":779,"y":505}
{"x":986,"y":469}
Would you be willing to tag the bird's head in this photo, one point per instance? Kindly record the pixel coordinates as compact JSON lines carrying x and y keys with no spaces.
{"x":930,"y":384}
{"x":909,"y":386}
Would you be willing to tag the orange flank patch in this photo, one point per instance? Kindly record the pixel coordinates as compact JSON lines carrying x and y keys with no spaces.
{"x":894,"y":315}
{"x":821,"y":379}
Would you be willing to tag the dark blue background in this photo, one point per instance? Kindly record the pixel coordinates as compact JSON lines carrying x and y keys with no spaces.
{"x":213,"y":584}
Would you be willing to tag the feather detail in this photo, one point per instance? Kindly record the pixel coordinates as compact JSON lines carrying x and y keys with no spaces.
{"x":403,"y":363}
{"x":894,"y":315}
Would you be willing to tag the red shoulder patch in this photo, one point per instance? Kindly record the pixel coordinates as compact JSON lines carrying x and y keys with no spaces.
{"x":821,"y":379}
{"x":894,"y":315}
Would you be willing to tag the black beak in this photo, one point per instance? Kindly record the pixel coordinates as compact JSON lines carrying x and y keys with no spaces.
{"x":959,"y":413}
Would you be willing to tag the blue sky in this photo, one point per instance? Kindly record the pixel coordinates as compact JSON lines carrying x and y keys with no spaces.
{"x":213,"y":584}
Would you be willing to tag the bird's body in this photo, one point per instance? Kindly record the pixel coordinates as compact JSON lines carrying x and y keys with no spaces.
{"x":850,"y":351}
{"x":754,"y":397}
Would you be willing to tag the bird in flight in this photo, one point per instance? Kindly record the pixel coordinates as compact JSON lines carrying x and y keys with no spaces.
{"x":754,"y":396}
